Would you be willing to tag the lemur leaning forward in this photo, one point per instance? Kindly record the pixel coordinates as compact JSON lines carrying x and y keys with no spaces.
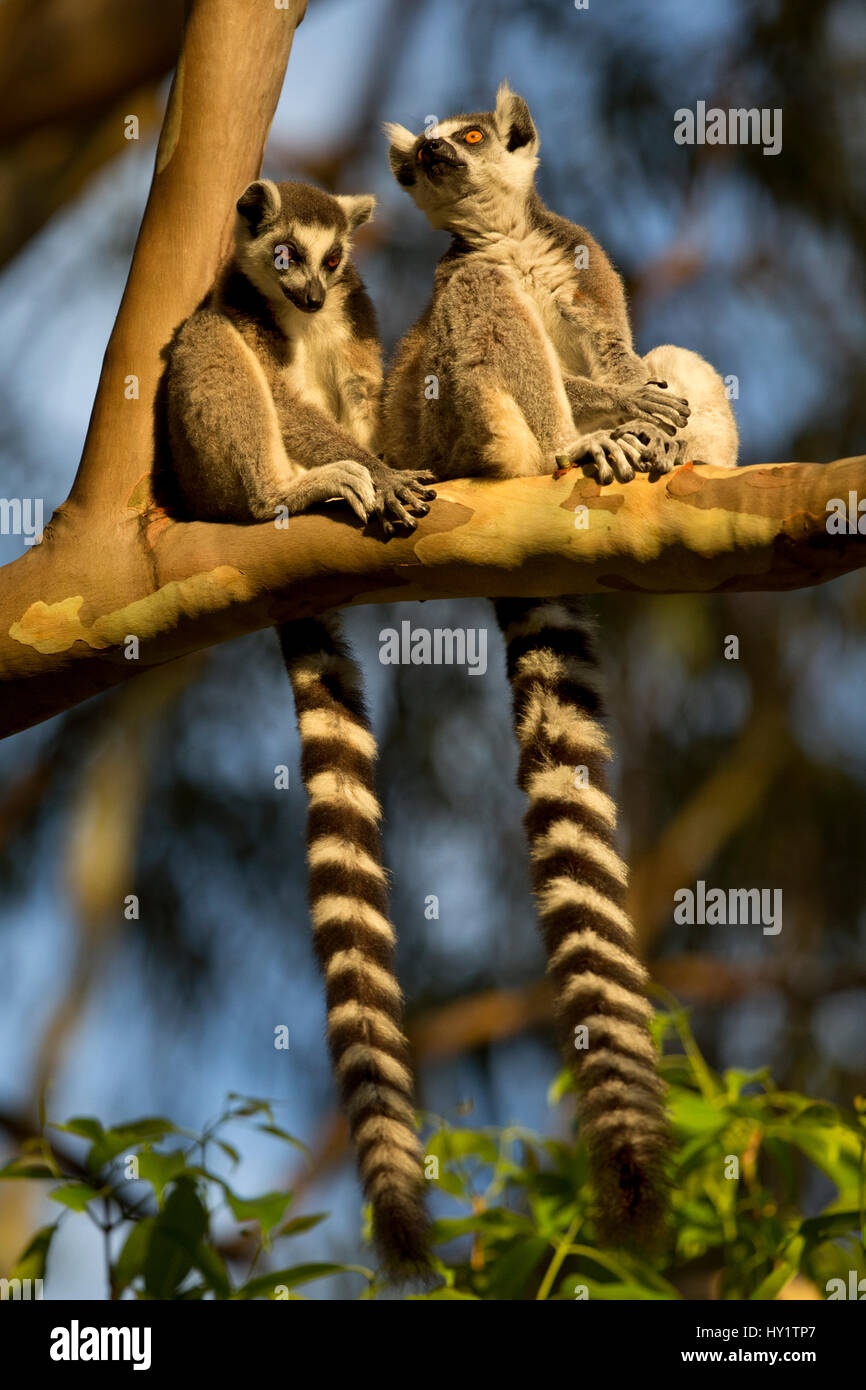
{"x":272,"y":397}
{"x":529,"y":339}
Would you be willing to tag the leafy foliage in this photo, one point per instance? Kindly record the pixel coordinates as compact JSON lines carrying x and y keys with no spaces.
{"x":155,"y":1182}
{"x":745,"y":1151}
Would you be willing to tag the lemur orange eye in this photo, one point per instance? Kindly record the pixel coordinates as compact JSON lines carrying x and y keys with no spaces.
{"x":333,"y":260}
{"x":474,"y":137}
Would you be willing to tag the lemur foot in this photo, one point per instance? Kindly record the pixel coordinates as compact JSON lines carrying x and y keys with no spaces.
{"x":606,"y":456}
{"x":344,"y":479}
{"x":402,"y":495}
{"x":653,"y":402}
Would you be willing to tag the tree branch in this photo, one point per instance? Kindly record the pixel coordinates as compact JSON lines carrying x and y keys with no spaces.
{"x":113,"y":565}
{"x":100,"y":576}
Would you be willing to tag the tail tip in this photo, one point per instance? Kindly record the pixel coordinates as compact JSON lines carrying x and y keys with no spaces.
{"x":632,"y":1195}
{"x":402,"y":1239}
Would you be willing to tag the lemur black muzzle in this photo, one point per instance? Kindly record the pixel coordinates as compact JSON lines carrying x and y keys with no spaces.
{"x":436,"y":154}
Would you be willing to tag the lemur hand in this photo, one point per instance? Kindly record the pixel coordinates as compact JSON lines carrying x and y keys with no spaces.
{"x":607,"y":456}
{"x":402,"y":495}
{"x":346,"y":479}
{"x":658,"y":452}
{"x":653,"y":402}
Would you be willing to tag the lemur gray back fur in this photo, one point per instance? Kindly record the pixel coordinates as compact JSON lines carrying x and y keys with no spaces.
{"x":528,"y":340}
{"x":272,"y":395}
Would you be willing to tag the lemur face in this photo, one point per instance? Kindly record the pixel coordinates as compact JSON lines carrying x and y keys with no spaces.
{"x":468,"y":164}
{"x":293,"y":241}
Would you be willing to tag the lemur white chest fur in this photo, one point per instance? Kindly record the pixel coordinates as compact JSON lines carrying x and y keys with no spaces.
{"x":545,"y":281}
{"x":317,"y":370}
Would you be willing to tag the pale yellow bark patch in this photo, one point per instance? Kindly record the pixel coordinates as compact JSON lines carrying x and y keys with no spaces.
{"x":628,"y":523}
{"x":55,"y":627}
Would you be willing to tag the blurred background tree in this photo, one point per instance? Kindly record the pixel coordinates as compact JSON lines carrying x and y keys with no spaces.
{"x":747,"y":773}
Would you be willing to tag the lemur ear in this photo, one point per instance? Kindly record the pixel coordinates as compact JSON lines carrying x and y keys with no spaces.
{"x":259,"y":205}
{"x":358,"y":208}
{"x":513,"y":121}
{"x":400,"y":153}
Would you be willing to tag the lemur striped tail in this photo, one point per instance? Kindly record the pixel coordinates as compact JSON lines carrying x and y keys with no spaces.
{"x":580,"y":883}
{"x":354,"y":939}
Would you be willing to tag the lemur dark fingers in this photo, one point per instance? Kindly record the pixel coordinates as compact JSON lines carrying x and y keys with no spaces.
{"x":674,"y":454}
{"x":420,"y":475}
{"x":657,"y":453}
{"x":415,"y":480}
{"x":410,"y":490}
{"x":401,"y":515}
{"x":401,"y":497}
{"x":417,"y":505}
{"x":608,"y":457}
{"x":394,"y":517}
{"x":648,"y":444}
{"x":654,"y":403}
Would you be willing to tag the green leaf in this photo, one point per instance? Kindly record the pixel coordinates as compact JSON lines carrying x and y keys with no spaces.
{"x":130,"y":1262}
{"x":736,"y":1081}
{"x":160,"y":1169}
{"x":22,"y":1168}
{"x":174,"y":1240}
{"x":830,"y":1226}
{"x":106,"y":1144}
{"x":299,"y":1224}
{"x":268,"y":1210}
{"x":451,"y":1144}
{"x":692,"y":1115}
{"x":74,"y":1195}
{"x":510,"y":1273}
{"x":835,"y":1150}
{"x":454,"y":1184}
{"x":31,"y":1262}
{"x":776,"y":1280}
{"x":497,"y":1223}
{"x":84,"y":1125}
{"x":249,"y":1105}
{"x":559,"y":1087}
{"x":265,"y":1284}
{"x":286,"y":1138}
{"x":211,"y":1264}
{"x":146,"y":1129}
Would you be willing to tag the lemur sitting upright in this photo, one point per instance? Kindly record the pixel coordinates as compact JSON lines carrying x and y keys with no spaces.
{"x":272,"y":396}
{"x":528,"y":337}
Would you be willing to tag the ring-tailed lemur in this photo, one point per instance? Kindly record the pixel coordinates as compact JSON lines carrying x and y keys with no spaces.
{"x":272,"y":395}
{"x":528,"y":338}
